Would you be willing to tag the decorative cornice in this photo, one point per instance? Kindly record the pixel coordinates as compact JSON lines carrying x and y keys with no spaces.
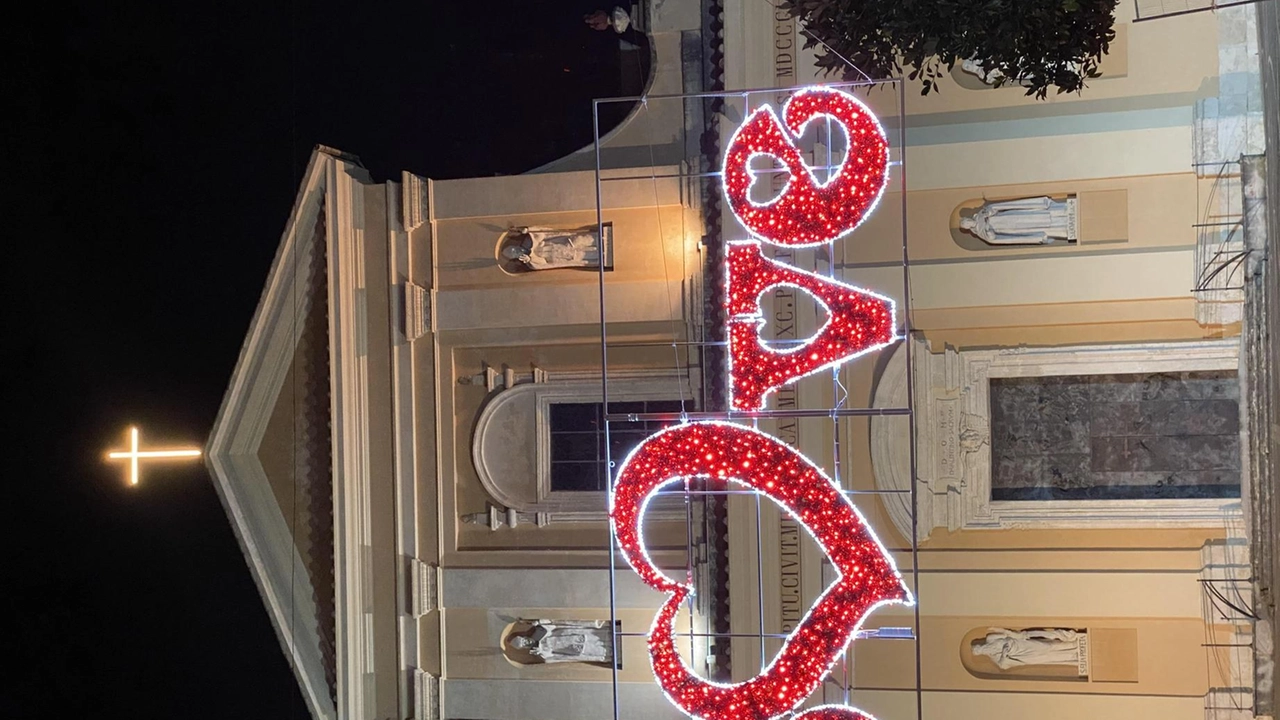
{"x":661,"y":509}
{"x":349,"y":338}
{"x":426,"y":695}
{"x":231,"y":452}
{"x":417,"y":311}
{"x":423,"y":587}
{"x":416,"y":201}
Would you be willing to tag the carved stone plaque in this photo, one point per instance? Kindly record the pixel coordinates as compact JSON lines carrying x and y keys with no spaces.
{"x":947,"y":427}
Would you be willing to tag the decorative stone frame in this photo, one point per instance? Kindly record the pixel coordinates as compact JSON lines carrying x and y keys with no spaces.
{"x":953,"y":437}
{"x":511,"y":445}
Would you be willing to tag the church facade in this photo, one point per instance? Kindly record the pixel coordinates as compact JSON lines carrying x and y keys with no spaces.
{"x":443,"y":376}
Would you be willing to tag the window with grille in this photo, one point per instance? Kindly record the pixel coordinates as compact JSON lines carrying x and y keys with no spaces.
{"x":578,"y":440}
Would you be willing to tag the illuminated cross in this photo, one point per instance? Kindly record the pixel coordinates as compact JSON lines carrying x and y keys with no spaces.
{"x":133,"y":455}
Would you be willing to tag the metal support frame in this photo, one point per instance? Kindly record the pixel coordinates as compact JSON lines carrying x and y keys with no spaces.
{"x":1220,"y":248}
{"x":835,"y":413}
{"x":1185,"y":8}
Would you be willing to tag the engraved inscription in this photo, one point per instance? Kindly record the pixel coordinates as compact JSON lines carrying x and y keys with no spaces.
{"x":948,"y":434}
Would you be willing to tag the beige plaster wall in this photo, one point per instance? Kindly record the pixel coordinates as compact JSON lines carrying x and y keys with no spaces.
{"x":511,"y":195}
{"x":959,"y":705}
{"x":473,"y":644}
{"x":564,"y":349}
{"x":1162,"y":209}
{"x":486,"y":317}
{"x":655,"y":254}
{"x":1060,"y":157}
{"x":1136,"y":290}
{"x":1170,"y":659}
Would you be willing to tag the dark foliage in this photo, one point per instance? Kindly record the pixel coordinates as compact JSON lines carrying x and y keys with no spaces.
{"x":1039,"y":44}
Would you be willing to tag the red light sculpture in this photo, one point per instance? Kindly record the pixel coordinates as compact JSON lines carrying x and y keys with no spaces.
{"x":858,"y":321}
{"x":867,"y":576}
{"x":807,"y":212}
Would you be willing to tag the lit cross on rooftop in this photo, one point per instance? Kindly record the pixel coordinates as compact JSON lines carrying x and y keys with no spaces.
{"x":133,"y":455}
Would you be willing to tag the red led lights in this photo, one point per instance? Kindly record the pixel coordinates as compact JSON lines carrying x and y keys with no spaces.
{"x":807,"y":212}
{"x":858,"y":321}
{"x":867,"y":576}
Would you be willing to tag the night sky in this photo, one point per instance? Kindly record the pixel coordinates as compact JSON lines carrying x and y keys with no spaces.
{"x":152,"y":155}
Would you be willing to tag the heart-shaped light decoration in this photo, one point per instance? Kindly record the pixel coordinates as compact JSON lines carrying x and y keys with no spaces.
{"x":867,"y":576}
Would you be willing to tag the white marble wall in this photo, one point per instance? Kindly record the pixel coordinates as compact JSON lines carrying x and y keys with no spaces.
{"x":1230,"y":124}
{"x":1226,"y":126}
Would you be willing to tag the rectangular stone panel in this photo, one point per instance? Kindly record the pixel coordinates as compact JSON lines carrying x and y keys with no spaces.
{"x":1190,"y":452}
{"x":1156,"y":435}
{"x":1165,"y":418}
{"x":1104,"y":216}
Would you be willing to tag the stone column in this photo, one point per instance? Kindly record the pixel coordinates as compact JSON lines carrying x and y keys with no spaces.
{"x":1260,"y":344}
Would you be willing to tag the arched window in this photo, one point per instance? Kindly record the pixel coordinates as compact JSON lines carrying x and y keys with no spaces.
{"x":539,"y":447}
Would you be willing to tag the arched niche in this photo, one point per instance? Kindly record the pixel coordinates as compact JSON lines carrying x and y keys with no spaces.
{"x":519,"y":657}
{"x":986,"y":668}
{"x":521,"y":238}
{"x":972,"y":205}
{"x":525,"y":657}
{"x":891,"y":447}
{"x":969,"y":81}
{"x":510,"y":238}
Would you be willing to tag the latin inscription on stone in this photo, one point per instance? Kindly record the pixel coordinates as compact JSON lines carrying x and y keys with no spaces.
{"x":948,"y":434}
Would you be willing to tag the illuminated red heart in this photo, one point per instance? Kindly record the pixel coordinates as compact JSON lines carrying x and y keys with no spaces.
{"x":867,"y":576}
{"x":807,"y":212}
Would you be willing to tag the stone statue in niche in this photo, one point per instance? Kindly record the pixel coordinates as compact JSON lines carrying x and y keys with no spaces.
{"x":542,"y":248}
{"x":558,"y":641}
{"x":992,"y":77}
{"x":974,"y":67}
{"x":1017,"y":648}
{"x":1026,"y":221}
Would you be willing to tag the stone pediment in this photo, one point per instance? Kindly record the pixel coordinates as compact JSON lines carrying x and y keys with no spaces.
{"x":270,"y":452}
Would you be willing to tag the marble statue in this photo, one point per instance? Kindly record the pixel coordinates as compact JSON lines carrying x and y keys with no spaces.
{"x":1027,"y":221}
{"x":1016,"y":648}
{"x":974,"y":67}
{"x":992,"y":77}
{"x":557,"y":641}
{"x":547,"y":249}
